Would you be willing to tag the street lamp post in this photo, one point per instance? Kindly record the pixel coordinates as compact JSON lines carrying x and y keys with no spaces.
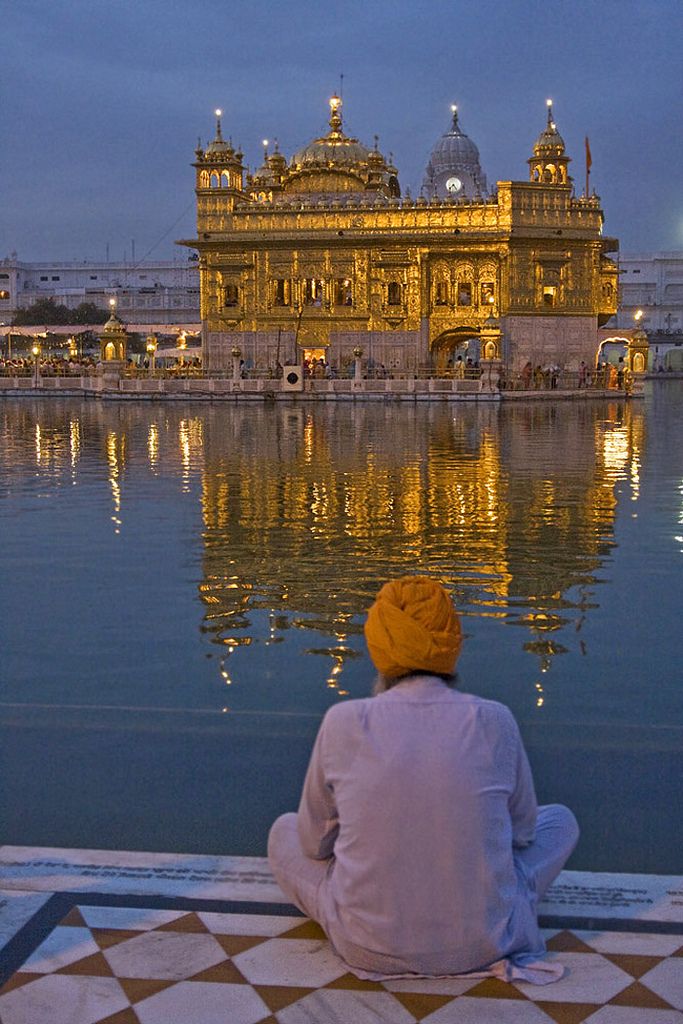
{"x":35,"y":351}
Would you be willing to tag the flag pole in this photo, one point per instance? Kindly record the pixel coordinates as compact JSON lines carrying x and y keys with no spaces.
{"x":589,"y":162}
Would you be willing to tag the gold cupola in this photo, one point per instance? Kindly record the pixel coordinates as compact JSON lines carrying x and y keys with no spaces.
{"x":550,"y":164}
{"x":339,"y":163}
{"x":219,"y":166}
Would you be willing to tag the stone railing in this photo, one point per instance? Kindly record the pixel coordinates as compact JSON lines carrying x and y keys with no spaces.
{"x":564,"y":384}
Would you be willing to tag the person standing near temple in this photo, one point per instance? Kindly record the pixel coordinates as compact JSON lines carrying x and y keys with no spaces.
{"x":418,"y":844}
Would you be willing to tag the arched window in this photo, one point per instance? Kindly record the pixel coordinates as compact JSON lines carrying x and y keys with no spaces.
{"x":441,"y":293}
{"x":394,"y":293}
{"x":464,"y":293}
{"x":231,"y":295}
{"x":215,"y":180}
{"x":343,"y":292}
{"x":487,"y":294}
{"x":225,"y":179}
{"x":204,"y":179}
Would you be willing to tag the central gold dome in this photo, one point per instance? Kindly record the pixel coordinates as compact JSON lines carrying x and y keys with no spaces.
{"x":333,"y":148}
{"x":339,"y":163}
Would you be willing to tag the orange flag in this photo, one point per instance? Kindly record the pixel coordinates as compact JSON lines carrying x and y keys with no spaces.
{"x":589,"y":158}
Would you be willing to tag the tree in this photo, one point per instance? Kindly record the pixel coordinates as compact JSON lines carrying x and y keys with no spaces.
{"x":47,"y":311}
{"x":89,"y":313}
{"x":44,"y":311}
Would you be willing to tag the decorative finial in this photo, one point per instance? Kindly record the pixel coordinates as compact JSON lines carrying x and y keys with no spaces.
{"x":218,"y":113}
{"x":335,"y":116}
{"x":265,"y":150}
{"x":454,"y":112}
{"x":549,"y":105}
{"x":376,"y":142}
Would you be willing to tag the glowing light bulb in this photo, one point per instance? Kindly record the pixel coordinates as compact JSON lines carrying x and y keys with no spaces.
{"x":454,"y":107}
{"x":218,"y":112}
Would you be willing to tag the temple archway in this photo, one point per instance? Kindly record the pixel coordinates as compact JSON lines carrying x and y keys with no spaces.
{"x":610,"y":350}
{"x":457,"y":341}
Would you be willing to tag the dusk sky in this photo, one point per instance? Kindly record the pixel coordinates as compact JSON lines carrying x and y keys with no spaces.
{"x":103,"y":103}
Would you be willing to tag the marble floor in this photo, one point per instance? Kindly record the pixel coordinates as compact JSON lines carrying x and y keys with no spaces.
{"x":153,"y":964}
{"x":90,"y":936}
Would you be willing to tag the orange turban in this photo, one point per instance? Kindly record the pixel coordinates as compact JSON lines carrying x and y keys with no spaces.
{"x":413,"y":626}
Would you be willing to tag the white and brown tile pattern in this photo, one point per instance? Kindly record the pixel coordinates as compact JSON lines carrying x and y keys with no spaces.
{"x":140,"y":965}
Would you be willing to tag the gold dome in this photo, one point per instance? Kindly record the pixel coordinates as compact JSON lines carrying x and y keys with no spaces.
{"x":219,"y":147}
{"x":549,"y":142}
{"x":335,"y":148}
{"x":336,"y":162}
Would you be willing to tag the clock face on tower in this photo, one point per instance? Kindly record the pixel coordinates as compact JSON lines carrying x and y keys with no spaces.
{"x":454,"y":184}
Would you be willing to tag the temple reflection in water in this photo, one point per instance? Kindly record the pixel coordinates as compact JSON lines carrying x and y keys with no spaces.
{"x":306,"y":513}
{"x":306,"y":510}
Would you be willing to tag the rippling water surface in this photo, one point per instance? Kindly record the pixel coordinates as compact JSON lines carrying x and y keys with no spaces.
{"x":183,"y":589}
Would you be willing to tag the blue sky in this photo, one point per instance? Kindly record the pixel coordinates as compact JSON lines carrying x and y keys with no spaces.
{"x":103,"y":103}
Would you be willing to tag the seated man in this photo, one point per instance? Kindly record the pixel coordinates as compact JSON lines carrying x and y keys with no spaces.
{"x":418,"y":845}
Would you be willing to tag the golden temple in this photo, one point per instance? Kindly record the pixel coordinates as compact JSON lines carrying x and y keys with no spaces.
{"x":322,"y":255}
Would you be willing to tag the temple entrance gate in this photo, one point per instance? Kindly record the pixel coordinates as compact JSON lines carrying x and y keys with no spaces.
{"x":463,"y":342}
{"x":632,"y":347}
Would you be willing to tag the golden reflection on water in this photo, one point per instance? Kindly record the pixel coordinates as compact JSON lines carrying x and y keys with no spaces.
{"x":153,"y":445}
{"x":306,"y":512}
{"x":514,"y":512}
{"x":74,"y":445}
{"x":116,"y":449}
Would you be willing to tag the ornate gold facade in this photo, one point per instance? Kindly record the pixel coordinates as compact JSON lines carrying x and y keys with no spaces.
{"x":322,"y":253}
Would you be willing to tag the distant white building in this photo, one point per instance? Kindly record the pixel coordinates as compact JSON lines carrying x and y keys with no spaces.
{"x":153,"y":293}
{"x":651,"y":284}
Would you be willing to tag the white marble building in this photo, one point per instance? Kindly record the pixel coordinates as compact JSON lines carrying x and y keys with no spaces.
{"x":651,"y":284}
{"x":150,"y":292}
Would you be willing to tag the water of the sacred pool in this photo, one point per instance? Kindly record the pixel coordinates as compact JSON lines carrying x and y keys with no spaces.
{"x":183,"y":587}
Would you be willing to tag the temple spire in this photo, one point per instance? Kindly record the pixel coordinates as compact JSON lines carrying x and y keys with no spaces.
{"x":549,"y":104}
{"x":219,"y":136}
{"x":454,"y":111}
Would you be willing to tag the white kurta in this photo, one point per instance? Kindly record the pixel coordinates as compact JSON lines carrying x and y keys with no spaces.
{"x":421,"y":794}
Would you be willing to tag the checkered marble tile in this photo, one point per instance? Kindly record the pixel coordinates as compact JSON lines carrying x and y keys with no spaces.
{"x":133,"y":965}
